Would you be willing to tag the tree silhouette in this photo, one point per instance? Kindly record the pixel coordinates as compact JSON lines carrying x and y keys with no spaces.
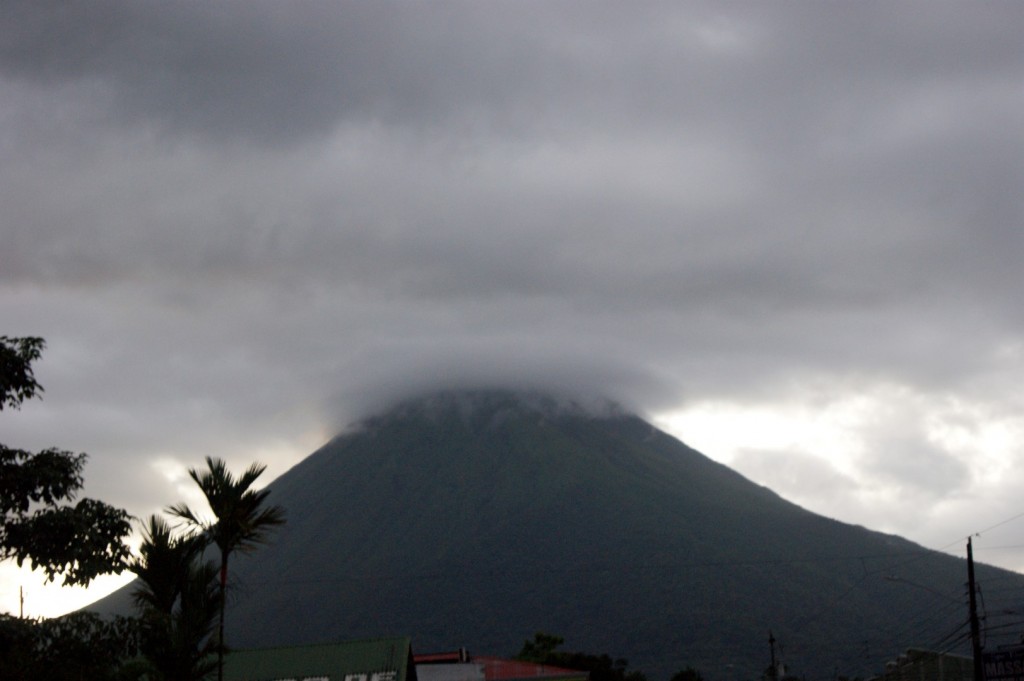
{"x":179,"y":599}
{"x":543,"y":649}
{"x":79,"y":646}
{"x":242,"y":523}
{"x":687,"y":674}
{"x":39,"y":524}
{"x":17,"y":380}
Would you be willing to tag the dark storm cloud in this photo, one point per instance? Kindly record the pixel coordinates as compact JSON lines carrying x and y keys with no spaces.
{"x":266,"y":70}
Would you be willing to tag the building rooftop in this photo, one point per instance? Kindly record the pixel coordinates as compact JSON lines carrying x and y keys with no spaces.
{"x":384,"y":659}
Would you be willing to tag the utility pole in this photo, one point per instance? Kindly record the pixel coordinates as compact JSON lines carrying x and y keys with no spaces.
{"x":979,"y":674}
{"x":773,"y":671}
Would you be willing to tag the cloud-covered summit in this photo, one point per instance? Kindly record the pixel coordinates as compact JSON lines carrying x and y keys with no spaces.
{"x":790,"y":231}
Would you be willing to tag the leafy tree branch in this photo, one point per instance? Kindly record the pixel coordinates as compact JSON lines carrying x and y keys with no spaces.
{"x":42,"y":522}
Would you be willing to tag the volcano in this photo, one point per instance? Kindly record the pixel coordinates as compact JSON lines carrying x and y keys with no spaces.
{"x":479,"y":518}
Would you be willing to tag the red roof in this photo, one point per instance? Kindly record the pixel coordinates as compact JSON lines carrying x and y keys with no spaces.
{"x":501,"y":669}
{"x":441,"y":658}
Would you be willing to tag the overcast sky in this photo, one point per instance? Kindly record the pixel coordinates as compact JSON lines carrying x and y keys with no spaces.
{"x":790,"y":233}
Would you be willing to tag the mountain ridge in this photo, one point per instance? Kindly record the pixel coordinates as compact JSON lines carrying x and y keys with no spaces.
{"x":478,"y":519}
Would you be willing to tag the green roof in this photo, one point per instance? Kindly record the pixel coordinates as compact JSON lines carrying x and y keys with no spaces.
{"x":383,"y":659}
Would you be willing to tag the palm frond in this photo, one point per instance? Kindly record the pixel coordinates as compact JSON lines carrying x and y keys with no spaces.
{"x":163,"y":561}
{"x":193,"y":520}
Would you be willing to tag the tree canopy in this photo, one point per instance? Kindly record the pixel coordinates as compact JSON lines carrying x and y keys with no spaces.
{"x":81,"y":646}
{"x":41,"y":524}
{"x":17,"y":380}
{"x":543,"y":649}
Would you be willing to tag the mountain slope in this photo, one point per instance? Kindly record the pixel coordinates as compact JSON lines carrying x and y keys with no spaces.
{"x":478,"y":519}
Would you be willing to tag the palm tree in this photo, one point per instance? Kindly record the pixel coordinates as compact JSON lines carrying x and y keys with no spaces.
{"x":178,"y":595}
{"x":241,"y":522}
{"x":162,"y":565}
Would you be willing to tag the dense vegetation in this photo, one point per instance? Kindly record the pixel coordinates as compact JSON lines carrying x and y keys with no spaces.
{"x":179,"y":594}
{"x":78,"y":647}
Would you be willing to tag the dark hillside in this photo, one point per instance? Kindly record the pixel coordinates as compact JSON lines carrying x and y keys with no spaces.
{"x":479,"y":519}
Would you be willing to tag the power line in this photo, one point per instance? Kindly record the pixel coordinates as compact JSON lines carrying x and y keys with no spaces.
{"x":999,"y":524}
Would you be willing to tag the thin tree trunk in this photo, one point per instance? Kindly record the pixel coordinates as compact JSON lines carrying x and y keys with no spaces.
{"x":223,"y":592}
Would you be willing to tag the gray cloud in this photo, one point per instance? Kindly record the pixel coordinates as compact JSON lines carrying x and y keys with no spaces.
{"x":242,"y":225}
